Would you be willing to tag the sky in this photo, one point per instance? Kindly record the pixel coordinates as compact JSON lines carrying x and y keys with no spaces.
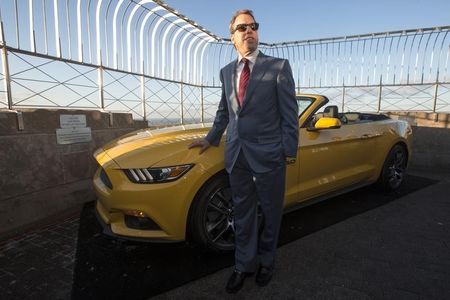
{"x":293,"y":20}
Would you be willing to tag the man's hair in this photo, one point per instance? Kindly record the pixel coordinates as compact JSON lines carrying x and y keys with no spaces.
{"x":238,"y":13}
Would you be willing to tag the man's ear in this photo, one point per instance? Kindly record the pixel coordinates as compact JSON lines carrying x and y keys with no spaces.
{"x":232,"y":38}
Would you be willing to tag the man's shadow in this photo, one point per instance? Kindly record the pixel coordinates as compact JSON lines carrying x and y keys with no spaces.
{"x":108,"y":268}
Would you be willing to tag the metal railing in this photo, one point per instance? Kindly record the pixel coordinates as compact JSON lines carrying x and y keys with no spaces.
{"x":146,"y":58}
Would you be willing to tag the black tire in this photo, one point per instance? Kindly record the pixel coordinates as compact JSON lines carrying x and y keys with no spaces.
{"x":394,"y":168}
{"x":210,"y":222}
{"x":211,"y":217}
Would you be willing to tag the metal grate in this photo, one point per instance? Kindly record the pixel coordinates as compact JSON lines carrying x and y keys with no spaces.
{"x":163,"y":102}
{"x":44,"y":82}
{"x":122,"y":93}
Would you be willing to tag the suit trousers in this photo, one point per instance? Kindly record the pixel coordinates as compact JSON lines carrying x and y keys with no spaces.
{"x":249,"y":190}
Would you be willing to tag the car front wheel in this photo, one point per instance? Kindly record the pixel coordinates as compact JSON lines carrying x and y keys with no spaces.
{"x":210,"y":221}
{"x":394,"y":168}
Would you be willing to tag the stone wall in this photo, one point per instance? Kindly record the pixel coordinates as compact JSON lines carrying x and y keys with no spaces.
{"x":40,"y":178}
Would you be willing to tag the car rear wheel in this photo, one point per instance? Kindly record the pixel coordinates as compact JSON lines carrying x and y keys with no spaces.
{"x":394,"y":168}
{"x":211,"y":222}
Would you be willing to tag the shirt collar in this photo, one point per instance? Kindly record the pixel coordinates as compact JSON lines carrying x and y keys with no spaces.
{"x":251,"y":57}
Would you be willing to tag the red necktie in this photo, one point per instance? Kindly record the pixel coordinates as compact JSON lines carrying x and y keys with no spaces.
{"x":243,"y":81}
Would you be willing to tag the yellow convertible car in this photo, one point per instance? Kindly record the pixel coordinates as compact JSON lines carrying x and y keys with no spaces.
{"x":150,"y":186}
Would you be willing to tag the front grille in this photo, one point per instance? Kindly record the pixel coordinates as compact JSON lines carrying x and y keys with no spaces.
{"x":105,"y":179}
{"x":139,"y":175}
{"x":141,"y":223}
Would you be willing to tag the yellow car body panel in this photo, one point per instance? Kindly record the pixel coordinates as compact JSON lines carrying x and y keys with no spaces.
{"x":328,"y":160}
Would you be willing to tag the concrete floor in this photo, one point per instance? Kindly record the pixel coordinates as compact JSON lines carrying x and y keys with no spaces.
{"x":398,"y":250}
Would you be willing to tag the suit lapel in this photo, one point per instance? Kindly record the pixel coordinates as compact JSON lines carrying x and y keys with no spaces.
{"x":233,"y":93}
{"x":259,"y":69}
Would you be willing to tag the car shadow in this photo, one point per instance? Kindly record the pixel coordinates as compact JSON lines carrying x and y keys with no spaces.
{"x":107,"y":268}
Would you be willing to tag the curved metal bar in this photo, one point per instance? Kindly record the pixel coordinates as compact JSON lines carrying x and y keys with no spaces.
{"x":375,"y":62}
{"x":194,"y":72}
{"x":362,"y":62}
{"x":446,"y":63}
{"x":163,"y":43}
{"x":106,"y":52}
{"x":396,"y":61}
{"x":136,"y":41}
{"x":403,"y":59}
{"x":116,"y":11}
{"x":56,"y":28}
{"x":423,"y":61}
{"x":153,"y":43}
{"x":147,"y":43}
{"x":189,"y":33}
{"x":31,"y":20}
{"x":79,"y":40}
{"x":200,"y":79}
{"x":44,"y":13}
{"x":432,"y":55}
{"x":439,"y":59}
{"x":424,"y":56}
{"x":409,"y":58}
{"x":141,"y":38}
{"x":188,"y":55}
{"x":130,"y":18}
{"x":389,"y":60}
{"x":172,"y":53}
{"x":123,"y":35}
{"x":128,"y":31}
{"x":69,"y":35}
{"x":97,"y":29}
{"x":88,"y":8}
{"x":417,"y":56}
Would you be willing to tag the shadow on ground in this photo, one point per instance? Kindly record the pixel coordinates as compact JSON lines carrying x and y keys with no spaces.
{"x":106,"y":268}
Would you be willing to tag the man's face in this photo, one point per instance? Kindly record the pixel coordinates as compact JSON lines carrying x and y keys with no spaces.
{"x":247,"y":41}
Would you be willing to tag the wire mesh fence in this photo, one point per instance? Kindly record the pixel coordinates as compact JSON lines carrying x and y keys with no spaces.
{"x":145,"y":58}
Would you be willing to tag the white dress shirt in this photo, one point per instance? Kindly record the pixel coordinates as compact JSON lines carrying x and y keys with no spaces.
{"x":240,"y":66}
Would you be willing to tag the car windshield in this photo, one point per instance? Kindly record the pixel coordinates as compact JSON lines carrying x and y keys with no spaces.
{"x":303,"y":104}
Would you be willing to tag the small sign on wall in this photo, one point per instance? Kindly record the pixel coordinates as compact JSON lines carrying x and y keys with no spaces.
{"x":73,"y":130}
{"x":71,"y":121}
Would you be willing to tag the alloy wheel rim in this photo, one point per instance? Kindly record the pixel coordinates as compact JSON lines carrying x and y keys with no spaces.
{"x":397,"y":169}
{"x":219,"y":219}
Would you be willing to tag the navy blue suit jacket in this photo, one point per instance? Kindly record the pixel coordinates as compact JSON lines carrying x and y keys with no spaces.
{"x":266,"y":126}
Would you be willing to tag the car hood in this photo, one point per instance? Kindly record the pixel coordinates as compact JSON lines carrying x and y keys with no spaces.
{"x":148,"y":147}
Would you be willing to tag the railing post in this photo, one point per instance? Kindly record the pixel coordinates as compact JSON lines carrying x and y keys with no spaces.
{"x":202,"y":108}
{"x":436,"y":93}
{"x":343,"y":97}
{"x":6,"y":70}
{"x":101,"y":84}
{"x":144,"y":112}
{"x":181,"y":104}
{"x":380,"y":91}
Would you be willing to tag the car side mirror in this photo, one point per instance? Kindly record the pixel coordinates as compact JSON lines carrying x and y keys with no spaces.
{"x":326,"y":123}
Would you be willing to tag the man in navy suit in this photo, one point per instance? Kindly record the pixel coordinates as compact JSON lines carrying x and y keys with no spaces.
{"x":260,"y":112}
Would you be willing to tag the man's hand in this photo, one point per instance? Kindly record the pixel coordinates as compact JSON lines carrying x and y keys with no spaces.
{"x":203,"y":144}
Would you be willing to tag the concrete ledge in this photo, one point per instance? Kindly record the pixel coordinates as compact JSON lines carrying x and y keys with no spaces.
{"x":423,"y":119}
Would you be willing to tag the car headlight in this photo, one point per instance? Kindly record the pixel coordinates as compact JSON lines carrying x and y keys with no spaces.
{"x":157,"y":175}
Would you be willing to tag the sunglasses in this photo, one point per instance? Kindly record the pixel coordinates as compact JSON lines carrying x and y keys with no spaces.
{"x":243,"y":27}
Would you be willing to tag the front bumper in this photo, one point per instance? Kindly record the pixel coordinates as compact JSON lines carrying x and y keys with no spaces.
{"x":165,"y":205}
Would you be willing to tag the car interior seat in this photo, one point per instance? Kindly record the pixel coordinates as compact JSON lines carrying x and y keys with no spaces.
{"x":331,"y":111}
